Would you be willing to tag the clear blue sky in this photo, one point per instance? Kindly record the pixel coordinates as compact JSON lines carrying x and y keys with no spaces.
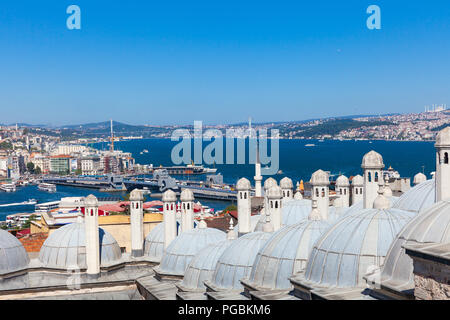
{"x":167,"y":62}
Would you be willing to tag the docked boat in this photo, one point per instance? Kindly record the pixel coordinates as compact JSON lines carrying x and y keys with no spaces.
{"x":47,"y":187}
{"x":8,"y":187}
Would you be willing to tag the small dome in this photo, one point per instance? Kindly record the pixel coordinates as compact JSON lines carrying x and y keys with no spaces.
{"x":431,"y":226}
{"x":243,"y":185}
{"x":418,"y":198}
{"x":274,"y":193}
{"x":202,"y":266}
{"x":91,"y":201}
{"x":169,"y":196}
{"x":184,"y":247}
{"x":419,"y":178}
{"x":286,"y":183}
{"x":320,"y":178}
{"x":136,"y":195}
{"x":154,"y":241}
{"x":254,"y":220}
{"x":236,"y":261}
{"x":443,"y":137}
{"x":186,"y":195}
{"x":284,"y":254}
{"x":293,"y":212}
{"x":13,"y":256}
{"x":269,"y":183}
{"x":372,"y":160}
{"x":356,"y":242}
{"x":342,"y":181}
{"x":358,"y":181}
{"x":66,"y":247}
{"x":298,"y":196}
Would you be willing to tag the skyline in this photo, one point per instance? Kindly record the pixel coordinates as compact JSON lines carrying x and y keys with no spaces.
{"x":167,"y":64}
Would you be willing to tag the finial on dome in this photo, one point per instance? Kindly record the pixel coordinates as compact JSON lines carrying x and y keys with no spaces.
{"x":381,"y":202}
{"x":315,"y":213}
{"x":268,"y":227}
{"x":202,"y":224}
{"x":387,"y":192}
{"x":298,"y":196}
{"x":231,"y":235}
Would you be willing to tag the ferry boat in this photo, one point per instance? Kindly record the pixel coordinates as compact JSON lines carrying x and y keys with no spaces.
{"x":8,"y":187}
{"x":187,"y":170}
{"x":47,"y":187}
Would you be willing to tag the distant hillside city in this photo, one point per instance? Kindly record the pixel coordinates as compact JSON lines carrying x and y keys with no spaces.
{"x":64,"y":150}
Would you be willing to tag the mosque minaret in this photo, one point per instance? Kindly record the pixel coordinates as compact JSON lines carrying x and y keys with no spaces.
{"x":137,"y":223}
{"x":92,"y":236}
{"x":170,"y":219}
{"x":442,"y":165}
{"x":372,"y":165}
{"x":258,"y":176}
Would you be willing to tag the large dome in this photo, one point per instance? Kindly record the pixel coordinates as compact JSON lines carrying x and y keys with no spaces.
{"x":284,"y":254}
{"x":184,"y":247}
{"x":359,"y":240}
{"x":236,"y":261}
{"x":13,"y":256}
{"x":66,"y":248}
{"x":419,"y":198}
{"x":431,"y":226}
{"x":202,"y":266}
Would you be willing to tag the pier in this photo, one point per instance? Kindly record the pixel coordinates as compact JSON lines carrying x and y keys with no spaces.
{"x":118,"y":183}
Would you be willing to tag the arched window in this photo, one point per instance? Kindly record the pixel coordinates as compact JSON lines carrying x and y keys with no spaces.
{"x":356,"y":190}
{"x":276,"y":204}
{"x":369,"y":176}
{"x":240,"y":193}
{"x":317,"y":192}
{"x":376,"y":176}
{"x":323,"y":192}
{"x":360,"y":190}
{"x":345,"y":191}
{"x":271,"y":204}
{"x":245,"y":195}
{"x":446,"y":158}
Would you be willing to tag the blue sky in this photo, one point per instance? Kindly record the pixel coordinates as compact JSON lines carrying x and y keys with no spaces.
{"x":169,"y":62}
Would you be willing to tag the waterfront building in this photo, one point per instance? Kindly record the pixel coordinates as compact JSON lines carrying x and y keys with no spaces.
{"x":60,"y":164}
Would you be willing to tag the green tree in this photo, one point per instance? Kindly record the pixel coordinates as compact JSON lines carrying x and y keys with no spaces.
{"x":38,"y":170}
{"x":27,"y":224}
{"x":231,"y":207}
{"x":30,"y":167}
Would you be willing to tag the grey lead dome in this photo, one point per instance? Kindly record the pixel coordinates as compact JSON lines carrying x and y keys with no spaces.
{"x":66,"y":248}
{"x":13,"y":256}
{"x":357,"y":241}
{"x":284,"y":254}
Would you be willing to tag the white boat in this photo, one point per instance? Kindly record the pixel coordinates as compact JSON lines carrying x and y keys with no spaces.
{"x":8,"y":187}
{"x":47,"y":187}
{"x":310,"y":145}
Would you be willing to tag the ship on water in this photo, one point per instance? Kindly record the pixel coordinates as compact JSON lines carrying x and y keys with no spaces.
{"x":49,"y":187}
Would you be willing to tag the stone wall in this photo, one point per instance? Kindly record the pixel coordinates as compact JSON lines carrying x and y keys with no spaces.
{"x":432,"y":280}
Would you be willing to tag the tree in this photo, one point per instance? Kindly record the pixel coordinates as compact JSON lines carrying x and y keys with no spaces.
{"x":30,"y":167}
{"x":231,"y":207}
{"x":27,"y":224}
{"x":38,"y":170}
